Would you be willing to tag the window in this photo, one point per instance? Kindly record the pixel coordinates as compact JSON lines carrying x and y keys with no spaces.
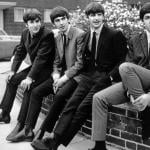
{"x":47,"y":15}
{"x":116,"y":1}
{"x":18,"y":14}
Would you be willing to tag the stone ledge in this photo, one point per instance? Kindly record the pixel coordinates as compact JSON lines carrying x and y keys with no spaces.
{"x":123,"y":129}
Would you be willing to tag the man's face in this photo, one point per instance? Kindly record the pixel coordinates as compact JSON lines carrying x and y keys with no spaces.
{"x":34,"y":26}
{"x":146,"y":20}
{"x":61,"y":23}
{"x":96,"y":19}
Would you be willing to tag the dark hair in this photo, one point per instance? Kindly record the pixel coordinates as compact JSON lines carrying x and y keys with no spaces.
{"x":145,"y":9}
{"x":58,"y":12}
{"x":31,"y":14}
{"x":94,"y":7}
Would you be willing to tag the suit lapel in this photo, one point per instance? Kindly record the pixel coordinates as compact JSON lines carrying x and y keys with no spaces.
{"x":70,"y":35}
{"x":60,"y":45}
{"x":144,"y":43}
{"x":101,"y":39}
{"x":28,"y":40}
{"x":86,"y":41}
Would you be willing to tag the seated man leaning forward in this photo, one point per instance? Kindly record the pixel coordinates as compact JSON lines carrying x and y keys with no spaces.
{"x":39,"y":44}
{"x":66,"y":65}
{"x":135,"y":85}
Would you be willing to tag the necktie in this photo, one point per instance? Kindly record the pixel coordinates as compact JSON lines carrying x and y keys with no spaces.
{"x":93,"y":47}
{"x":63,"y":58}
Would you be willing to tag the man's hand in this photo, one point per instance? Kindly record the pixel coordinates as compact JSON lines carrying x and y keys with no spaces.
{"x":10,"y":75}
{"x":60,"y":82}
{"x":142,"y":102}
{"x":26,"y":83}
{"x":55,"y":76}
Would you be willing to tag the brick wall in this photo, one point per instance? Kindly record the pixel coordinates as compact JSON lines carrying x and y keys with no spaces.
{"x":124,"y":126}
{"x":15,"y":28}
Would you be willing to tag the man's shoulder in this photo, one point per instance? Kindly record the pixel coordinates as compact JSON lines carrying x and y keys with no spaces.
{"x":114,"y":31}
{"x":46,"y":31}
{"x":137,"y":36}
{"x":76,"y":31}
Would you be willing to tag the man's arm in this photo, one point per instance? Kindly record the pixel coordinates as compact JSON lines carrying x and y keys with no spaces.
{"x":71,"y":72}
{"x":47,"y":46}
{"x":19,"y":55}
{"x":130,"y":54}
{"x":120,"y":46}
{"x":56,"y":66}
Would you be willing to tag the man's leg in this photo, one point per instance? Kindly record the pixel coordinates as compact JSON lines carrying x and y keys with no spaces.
{"x":112,"y":95}
{"x":11,"y":89}
{"x":83,"y":111}
{"x":27,"y":94}
{"x":71,"y":107}
{"x":66,"y":116}
{"x":60,"y":99}
{"x":135,"y":78}
{"x":36,"y":99}
{"x":22,"y":132}
{"x":59,"y":102}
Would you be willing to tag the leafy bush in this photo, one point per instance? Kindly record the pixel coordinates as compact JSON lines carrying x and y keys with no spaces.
{"x":119,"y":16}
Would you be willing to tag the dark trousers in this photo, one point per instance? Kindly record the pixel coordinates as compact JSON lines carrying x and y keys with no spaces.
{"x":32,"y":101}
{"x":11,"y":89}
{"x":60,"y":100}
{"x":78,"y":109}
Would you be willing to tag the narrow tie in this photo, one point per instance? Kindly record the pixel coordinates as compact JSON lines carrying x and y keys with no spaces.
{"x":93,"y":47}
{"x":63,"y":58}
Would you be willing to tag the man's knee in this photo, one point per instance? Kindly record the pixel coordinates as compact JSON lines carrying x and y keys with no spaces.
{"x":99,"y":101}
{"x":96,"y":99}
{"x":125,"y":67}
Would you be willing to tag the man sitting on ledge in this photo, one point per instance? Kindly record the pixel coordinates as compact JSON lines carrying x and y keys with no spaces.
{"x":135,"y":81}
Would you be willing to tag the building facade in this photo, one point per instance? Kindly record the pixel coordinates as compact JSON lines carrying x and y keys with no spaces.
{"x":11,"y":11}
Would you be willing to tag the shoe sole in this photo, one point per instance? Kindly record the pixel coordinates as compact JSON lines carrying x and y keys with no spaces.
{"x":20,"y":140}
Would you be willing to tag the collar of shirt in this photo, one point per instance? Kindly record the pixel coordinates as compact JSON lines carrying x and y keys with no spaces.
{"x":148,"y":38}
{"x":98,"y":31}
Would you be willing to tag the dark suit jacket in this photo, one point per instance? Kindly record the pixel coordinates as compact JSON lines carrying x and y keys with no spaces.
{"x":41,"y":49}
{"x":111,"y":51}
{"x":138,"y":50}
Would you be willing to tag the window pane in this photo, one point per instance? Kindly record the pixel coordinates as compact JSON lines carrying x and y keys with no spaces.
{"x":18,"y":14}
{"x":47,"y":15}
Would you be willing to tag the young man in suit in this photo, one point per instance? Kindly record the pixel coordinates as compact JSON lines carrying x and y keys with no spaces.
{"x":37,"y":42}
{"x":103,"y":50}
{"x":135,"y":84}
{"x":67,"y":64}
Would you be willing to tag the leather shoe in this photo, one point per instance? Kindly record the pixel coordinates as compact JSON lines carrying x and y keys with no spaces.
{"x":95,"y":149}
{"x":44,"y":144}
{"x":15,"y":131}
{"x":41,"y":144}
{"x":23,"y":136}
{"x":4,"y":118}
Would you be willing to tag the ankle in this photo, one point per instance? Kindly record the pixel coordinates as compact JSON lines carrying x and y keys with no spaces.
{"x":28,"y":129}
